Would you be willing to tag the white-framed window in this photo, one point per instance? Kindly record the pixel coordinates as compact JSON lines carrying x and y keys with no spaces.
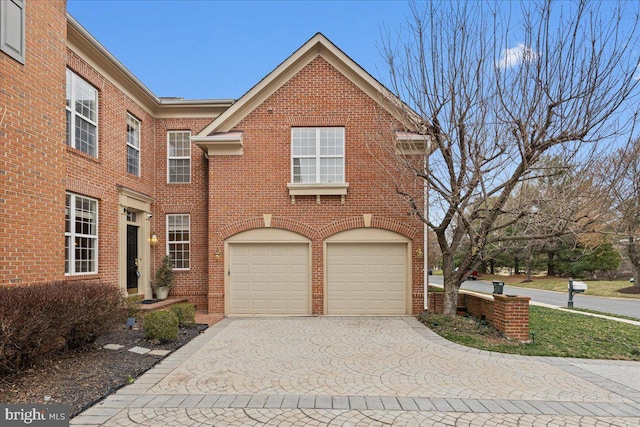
{"x":12,"y":26}
{"x":179,"y":156}
{"x":82,"y":115}
{"x":81,"y":235}
{"x":317,"y":155}
{"x":178,"y":236}
{"x":133,"y":145}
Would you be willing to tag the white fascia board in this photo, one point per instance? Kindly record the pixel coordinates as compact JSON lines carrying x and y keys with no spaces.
{"x":222,"y":144}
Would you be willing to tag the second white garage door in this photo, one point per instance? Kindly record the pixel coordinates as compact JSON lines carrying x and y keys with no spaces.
{"x":366,"y":278}
{"x":269,"y":278}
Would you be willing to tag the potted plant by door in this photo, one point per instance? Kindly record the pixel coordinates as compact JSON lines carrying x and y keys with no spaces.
{"x":164,"y":278}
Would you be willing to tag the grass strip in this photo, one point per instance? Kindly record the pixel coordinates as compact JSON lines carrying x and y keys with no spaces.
{"x":555,"y":333}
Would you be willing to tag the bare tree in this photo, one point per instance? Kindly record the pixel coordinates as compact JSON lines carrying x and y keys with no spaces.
{"x":492,"y":92}
{"x":622,"y":173}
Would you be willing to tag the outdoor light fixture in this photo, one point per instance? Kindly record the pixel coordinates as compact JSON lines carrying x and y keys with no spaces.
{"x":419,"y":253}
{"x":217,"y":254}
{"x":154,"y":239}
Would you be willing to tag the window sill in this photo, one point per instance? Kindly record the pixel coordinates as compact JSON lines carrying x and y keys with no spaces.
{"x":81,"y":276}
{"x":82,"y":154}
{"x":334,"y":189}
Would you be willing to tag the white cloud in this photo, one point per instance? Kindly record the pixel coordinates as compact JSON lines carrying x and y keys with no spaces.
{"x":515,"y":56}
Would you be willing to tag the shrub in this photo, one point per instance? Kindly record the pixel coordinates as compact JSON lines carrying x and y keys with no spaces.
{"x":164,"y":274}
{"x":160,"y":326}
{"x":41,"y":318}
{"x":186,"y":314}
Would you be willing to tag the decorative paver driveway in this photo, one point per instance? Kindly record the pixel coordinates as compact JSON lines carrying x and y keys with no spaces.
{"x":365,"y":371}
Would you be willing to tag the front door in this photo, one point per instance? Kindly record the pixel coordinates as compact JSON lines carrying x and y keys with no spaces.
{"x":132,"y":259}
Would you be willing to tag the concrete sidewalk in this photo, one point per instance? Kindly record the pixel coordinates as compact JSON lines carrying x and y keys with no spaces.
{"x":365,"y":371}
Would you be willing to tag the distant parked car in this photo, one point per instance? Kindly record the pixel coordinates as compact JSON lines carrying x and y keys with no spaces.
{"x":473,"y":275}
{"x":631,"y":280}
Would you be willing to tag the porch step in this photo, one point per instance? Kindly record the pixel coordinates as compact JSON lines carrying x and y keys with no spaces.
{"x":205,"y":318}
{"x":162,"y":305}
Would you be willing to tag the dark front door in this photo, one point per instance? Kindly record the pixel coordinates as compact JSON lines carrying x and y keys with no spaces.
{"x":132,"y":259}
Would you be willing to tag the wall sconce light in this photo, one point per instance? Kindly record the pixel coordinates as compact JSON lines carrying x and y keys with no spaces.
{"x":153,"y":240}
{"x":217,"y":254}
{"x":419,"y":253}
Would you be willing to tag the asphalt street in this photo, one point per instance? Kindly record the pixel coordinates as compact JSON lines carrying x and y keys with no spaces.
{"x":620,"y":306}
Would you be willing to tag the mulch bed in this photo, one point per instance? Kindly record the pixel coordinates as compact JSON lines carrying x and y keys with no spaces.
{"x":634,"y":290}
{"x":81,"y":378}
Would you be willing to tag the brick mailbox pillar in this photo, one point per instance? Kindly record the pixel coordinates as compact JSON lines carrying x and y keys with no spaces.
{"x":511,"y":316}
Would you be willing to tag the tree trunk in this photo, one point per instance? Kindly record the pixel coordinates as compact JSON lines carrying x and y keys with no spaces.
{"x":529,"y":264}
{"x":551,"y":270}
{"x":492,"y":265}
{"x":452,"y":281}
{"x":516,"y":266}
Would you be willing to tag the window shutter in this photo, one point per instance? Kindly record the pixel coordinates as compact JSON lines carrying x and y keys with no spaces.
{"x":12,"y":28}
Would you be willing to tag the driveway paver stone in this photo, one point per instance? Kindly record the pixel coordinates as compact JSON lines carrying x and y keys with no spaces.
{"x":365,"y":371}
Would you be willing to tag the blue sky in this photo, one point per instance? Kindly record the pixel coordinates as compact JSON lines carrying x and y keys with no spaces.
{"x":219,"y":49}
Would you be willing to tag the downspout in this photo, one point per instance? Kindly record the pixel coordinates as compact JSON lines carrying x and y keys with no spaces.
{"x":425,"y":237}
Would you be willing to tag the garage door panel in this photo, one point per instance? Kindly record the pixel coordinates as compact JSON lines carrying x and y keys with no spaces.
{"x":269,"y":278}
{"x":366,"y":278}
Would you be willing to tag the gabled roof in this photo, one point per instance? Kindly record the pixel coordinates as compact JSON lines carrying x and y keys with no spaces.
{"x":318,"y":45}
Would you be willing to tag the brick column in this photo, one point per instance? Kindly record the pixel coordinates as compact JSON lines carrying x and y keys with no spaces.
{"x":511,"y":316}
{"x":435,"y":302}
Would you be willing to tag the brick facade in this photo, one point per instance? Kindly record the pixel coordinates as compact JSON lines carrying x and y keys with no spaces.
{"x":318,"y":95}
{"x":32,"y":162}
{"x":226,"y":195}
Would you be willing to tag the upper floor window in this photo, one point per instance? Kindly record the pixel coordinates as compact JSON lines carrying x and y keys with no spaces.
{"x":81,"y":235}
{"x":82,"y":115}
{"x":12,"y":24}
{"x":317,"y":155}
{"x":179,"y":156}
{"x":178,"y":240}
{"x":133,"y":145}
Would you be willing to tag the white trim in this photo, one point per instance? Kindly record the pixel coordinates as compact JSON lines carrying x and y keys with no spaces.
{"x":72,"y":234}
{"x":137,"y":122}
{"x":333,"y":189}
{"x":318,"y":45}
{"x":72,"y":80}
{"x":221,"y":144}
{"x":318,"y":156}
{"x":178,"y":241}
{"x":169,"y":157}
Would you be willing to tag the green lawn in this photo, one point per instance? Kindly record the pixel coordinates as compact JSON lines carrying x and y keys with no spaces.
{"x":556,"y":333}
{"x":599,"y":288}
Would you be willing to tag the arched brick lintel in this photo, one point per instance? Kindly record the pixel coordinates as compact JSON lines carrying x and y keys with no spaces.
{"x":276,"y":222}
{"x":376,"y":222}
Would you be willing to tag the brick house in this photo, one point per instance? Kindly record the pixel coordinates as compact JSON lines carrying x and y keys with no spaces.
{"x":274,"y":203}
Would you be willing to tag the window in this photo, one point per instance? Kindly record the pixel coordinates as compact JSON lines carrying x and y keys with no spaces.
{"x":179,"y":156}
{"x":178,"y":240}
{"x":82,"y":115}
{"x":317,"y":155}
{"x":81,"y":235}
{"x":133,"y":145}
{"x":12,"y":24}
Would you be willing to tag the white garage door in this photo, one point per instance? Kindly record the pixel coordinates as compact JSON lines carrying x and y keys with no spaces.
{"x":366,"y":278}
{"x":269,"y":278}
